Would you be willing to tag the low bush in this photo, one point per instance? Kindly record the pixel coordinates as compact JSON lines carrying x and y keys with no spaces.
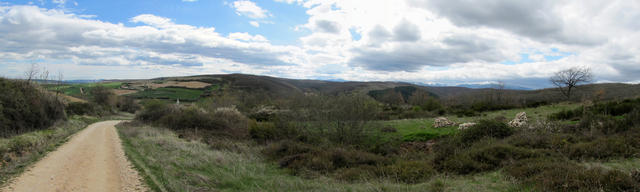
{"x":561,"y":175}
{"x":408,"y":171}
{"x":484,"y":156}
{"x":127,"y":104}
{"x":567,"y":114}
{"x":420,"y":136}
{"x":300,"y":157}
{"x":78,"y":108}
{"x":223,"y":121}
{"x":603,"y":148}
{"x":485,"y":128}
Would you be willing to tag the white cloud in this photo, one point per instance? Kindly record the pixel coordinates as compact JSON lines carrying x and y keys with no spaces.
{"x":249,"y":9}
{"x":33,"y":33}
{"x":254,"y":23}
{"x":437,"y":40}
{"x":189,"y":0}
{"x":428,"y":41}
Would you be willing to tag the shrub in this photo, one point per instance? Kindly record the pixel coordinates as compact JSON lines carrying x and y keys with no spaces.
{"x":603,"y":148}
{"x":25,"y":107}
{"x":270,"y":131}
{"x":561,"y":175}
{"x":226,"y":122}
{"x":409,"y":171}
{"x":103,"y":96}
{"x":300,"y":157}
{"x":485,"y":128}
{"x":567,"y":114}
{"x":127,"y":104}
{"x":358,"y":173}
{"x":81,"y":108}
{"x":419,"y":136}
{"x":483,"y":156}
{"x":153,"y":111}
{"x":635,"y":174}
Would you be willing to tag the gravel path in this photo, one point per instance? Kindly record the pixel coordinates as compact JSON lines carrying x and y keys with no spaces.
{"x":92,"y":160}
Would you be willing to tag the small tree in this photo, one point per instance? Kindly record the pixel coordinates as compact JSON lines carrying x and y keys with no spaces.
{"x":567,"y":79}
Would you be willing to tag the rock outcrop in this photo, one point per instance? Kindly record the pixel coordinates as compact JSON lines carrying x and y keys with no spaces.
{"x":442,"y":122}
{"x":519,"y":121}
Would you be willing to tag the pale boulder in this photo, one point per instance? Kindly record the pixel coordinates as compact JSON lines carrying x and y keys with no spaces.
{"x":519,"y":121}
{"x":442,"y":122}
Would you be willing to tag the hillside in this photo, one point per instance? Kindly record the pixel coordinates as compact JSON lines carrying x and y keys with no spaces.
{"x":281,"y":87}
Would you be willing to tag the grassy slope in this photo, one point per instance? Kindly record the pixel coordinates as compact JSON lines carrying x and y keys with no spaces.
{"x":169,"y":163}
{"x":411,"y":126}
{"x":74,"y":89}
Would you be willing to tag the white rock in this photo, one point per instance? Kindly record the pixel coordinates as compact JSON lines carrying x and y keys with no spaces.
{"x":519,"y":121}
{"x":442,"y":122}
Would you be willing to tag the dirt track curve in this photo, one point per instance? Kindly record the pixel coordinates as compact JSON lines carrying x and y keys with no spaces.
{"x":92,"y":160}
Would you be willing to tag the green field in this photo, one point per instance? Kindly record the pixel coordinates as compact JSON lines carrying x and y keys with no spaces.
{"x":74,"y":89}
{"x":171,"y":93}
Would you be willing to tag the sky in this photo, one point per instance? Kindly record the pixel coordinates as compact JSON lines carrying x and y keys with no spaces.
{"x":437,"y":42}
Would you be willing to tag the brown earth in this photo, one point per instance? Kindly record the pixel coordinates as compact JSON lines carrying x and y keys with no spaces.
{"x":92,"y":160}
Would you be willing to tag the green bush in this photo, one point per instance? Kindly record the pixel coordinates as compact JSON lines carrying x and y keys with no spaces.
{"x":483,"y":156}
{"x":300,"y":157}
{"x":409,"y":171}
{"x":78,"y":108}
{"x":153,"y":111}
{"x":603,"y":148}
{"x":560,"y":175}
{"x":420,"y":136}
{"x":24,"y":107}
{"x":223,"y":121}
{"x":127,"y":104}
{"x":567,"y":114}
{"x":485,"y":128}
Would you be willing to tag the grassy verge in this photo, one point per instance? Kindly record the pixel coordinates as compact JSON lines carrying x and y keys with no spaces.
{"x":169,"y":163}
{"x":74,"y":89}
{"x":19,"y":152}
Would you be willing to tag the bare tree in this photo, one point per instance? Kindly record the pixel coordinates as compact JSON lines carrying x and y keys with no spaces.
{"x":31,"y":72}
{"x":499,"y":88}
{"x":59,"y":83}
{"x":567,"y":79}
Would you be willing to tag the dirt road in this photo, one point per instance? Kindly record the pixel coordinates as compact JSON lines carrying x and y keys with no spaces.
{"x":92,"y":160}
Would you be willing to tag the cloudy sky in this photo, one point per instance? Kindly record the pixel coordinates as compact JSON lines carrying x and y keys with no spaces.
{"x":421,"y":41}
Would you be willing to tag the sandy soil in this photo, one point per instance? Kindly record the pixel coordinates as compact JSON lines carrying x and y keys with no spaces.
{"x":92,"y":160}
